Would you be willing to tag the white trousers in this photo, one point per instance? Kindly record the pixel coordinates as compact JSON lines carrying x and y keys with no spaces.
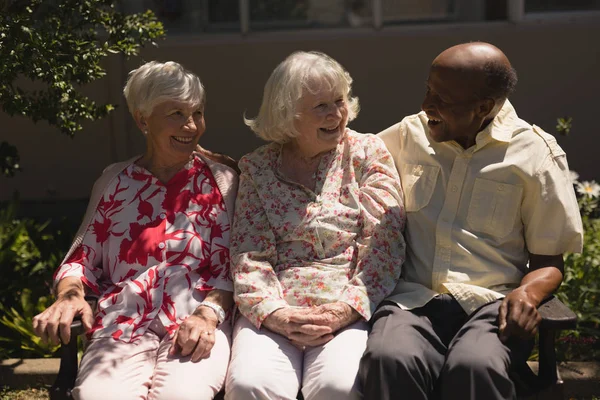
{"x":265,"y":365}
{"x":144,"y":370}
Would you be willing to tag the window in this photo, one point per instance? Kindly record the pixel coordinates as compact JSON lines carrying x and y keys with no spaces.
{"x":276,"y":14}
{"x":532,"y":6}
{"x":394,"y":11}
{"x":182,"y":16}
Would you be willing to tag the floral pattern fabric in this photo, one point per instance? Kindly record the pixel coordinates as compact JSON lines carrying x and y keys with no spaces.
{"x":292,"y":246}
{"x":153,"y":250}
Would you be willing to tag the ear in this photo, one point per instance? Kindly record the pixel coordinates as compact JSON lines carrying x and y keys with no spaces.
{"x":141,"y":121}
{"x":486,"y":107}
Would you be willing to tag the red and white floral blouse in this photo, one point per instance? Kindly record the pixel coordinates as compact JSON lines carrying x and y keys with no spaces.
{"x":153,"y":249}
{"x":292,"y":246}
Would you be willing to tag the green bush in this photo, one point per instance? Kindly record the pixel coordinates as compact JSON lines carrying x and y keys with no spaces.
{"x":30,"y":251}
{"x":580,"y":289}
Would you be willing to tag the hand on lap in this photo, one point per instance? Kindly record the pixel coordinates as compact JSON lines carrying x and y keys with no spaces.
{"x":196,"y":335}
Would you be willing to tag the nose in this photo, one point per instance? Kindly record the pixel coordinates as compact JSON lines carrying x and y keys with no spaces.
{"x":427,"y":103}
{"x":190,"y":123}
{"x":335,"y":111}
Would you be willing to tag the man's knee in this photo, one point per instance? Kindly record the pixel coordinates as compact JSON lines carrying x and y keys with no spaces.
{"x":380,"y":355}
{"x":475,"y":364}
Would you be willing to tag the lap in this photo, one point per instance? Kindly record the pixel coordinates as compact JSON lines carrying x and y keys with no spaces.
{"x":263,"y":363}
{"x":330,"y":370}
{"x":143,"y":369}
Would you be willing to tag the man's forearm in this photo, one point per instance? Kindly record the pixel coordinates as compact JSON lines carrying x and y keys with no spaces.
{"x":544,"y":277}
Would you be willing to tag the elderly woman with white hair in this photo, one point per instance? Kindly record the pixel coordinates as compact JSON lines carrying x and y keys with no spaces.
{"x":154,"y":246}
{"x":317,"y":239}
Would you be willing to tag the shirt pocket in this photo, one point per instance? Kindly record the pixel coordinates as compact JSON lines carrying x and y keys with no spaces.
{"x":494,"y":207}
{"x":418,"y":183}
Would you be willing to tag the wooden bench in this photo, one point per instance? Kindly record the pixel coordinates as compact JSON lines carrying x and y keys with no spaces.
{"x":545,"y":385}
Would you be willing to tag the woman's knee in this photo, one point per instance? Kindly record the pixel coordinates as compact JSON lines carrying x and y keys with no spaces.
{"x":258,"y":384}
{"x":89,"y":390}
{"x":331,"y":389}
{"x":186,"y":392}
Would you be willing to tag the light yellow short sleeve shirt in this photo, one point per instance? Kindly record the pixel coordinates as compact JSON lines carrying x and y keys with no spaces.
{"x":474,"y":215}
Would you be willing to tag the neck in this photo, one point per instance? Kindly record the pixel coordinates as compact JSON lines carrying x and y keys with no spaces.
{"x":163,"y":169}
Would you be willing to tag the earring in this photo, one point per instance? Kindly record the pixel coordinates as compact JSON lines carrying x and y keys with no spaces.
{"x":146,"y":132}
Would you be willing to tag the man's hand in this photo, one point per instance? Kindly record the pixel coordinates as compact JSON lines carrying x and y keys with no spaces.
{"x":300,"y":334}
{"x":54,"y":323}
{"x":518,"y":316}
{"x":196,"y":335}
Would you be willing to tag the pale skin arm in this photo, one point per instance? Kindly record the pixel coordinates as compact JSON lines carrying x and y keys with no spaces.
{"x":196,"y":335}
{"x":518,"y":314}
{"x":54,"y":323}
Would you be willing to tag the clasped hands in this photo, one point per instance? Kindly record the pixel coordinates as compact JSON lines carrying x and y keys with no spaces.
{"x":311,"y":326}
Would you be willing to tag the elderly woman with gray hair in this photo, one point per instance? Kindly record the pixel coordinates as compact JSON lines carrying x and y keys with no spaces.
{"x":154,"y":246}
{"x":317,"y":239}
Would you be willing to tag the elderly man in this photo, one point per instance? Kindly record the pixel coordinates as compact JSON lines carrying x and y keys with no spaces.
{"x":490,"y":212}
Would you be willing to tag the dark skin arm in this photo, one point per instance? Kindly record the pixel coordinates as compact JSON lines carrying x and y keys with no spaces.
{"x":518,"y":314}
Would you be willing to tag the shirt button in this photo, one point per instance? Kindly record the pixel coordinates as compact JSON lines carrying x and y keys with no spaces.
{"x":163,"y":215}
{"x":454,"y":188}
{"x":161,"y":245}
{"x":500,"y":188}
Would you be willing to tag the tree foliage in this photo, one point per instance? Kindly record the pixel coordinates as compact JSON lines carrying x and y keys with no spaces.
{"x":50,"y":48}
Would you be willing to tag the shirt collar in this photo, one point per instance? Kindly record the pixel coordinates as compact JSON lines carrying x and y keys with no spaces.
{"x":501,"y":128}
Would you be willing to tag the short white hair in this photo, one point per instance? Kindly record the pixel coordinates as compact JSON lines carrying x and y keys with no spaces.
{"x":156,"y":82}
{"x":285,"y":87}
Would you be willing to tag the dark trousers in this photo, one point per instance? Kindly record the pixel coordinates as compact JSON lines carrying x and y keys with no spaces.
{"x":438,"y":352}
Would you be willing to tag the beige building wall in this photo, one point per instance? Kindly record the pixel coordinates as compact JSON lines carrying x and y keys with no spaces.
{"x":558,"y":62}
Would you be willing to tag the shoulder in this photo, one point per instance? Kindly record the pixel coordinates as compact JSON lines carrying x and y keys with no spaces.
{"x":363,"y":143}
{"x":109,"y":174}
{"x":409,"y":126}
{"x":541,"y":147}
{"x":261,"y":158}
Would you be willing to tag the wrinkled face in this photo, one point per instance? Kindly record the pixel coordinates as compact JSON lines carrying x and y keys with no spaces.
{"x":451,"y":106}
{"x":174,"y":128}
{"x":322,"y":118}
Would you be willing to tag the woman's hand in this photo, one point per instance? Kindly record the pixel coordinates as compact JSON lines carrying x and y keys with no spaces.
{"x":335,"y":316}
{"x":54,"y":323}
{"x":196,"y":335}
{"x":300,"y":334}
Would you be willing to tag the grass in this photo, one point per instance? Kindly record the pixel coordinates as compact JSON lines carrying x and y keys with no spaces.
{"x":40,"y":393}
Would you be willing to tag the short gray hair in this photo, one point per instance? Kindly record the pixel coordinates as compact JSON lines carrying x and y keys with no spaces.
{"x":284,"y":89}
{"x":156,"y":82}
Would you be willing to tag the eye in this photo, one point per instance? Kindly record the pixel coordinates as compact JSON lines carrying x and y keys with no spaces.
{"x":321,"y":106}
{"x":340,"y":102}
{"x":198,"y":112}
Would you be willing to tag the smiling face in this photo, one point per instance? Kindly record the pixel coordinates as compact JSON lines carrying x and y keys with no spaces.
{"x":322,"y":118}
{"x":451,"y":104}
{"x":173,"y":129}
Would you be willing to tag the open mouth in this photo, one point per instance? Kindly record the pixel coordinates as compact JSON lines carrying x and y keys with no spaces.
{"x":183,"y":139}
{"x":433,"y":121}
{"x":332,"y":130}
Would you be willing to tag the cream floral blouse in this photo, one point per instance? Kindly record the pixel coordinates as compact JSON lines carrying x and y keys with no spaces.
{"x":291,"y":246}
